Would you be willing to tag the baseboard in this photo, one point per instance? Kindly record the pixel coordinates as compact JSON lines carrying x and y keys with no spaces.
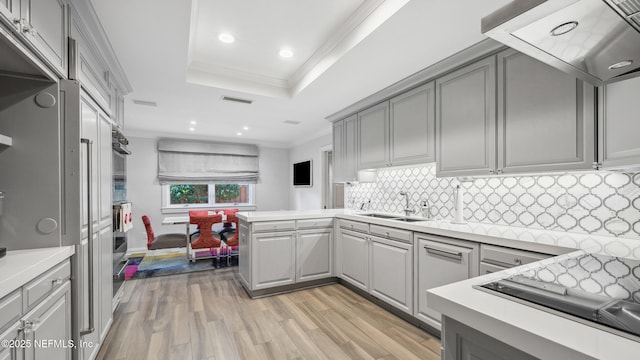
{"x":256,"y":294}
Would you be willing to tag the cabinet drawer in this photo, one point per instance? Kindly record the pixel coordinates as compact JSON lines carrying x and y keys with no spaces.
{"x":274,"y":226}
{"x":391,"y":233}
{"x":490,"y":268}
{"x":10,"y":309}
{"x":315,"y":223}
{"x":354,"y":226}
{"x":45,"y":284}
{"x":508,"y":257}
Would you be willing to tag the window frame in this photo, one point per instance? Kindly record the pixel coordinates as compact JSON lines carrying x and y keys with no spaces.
{"x":166,"y":198}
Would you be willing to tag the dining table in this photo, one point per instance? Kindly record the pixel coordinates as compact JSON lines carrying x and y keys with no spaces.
{"x":184,"y":220}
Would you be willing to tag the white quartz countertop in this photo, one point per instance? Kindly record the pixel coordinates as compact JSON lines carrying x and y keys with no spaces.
{"x":539,"y":333}
{"x":21,"y":266}
{"x":543,"y":241}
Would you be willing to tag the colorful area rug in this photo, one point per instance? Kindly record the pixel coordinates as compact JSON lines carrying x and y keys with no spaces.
{"x":141,"y":266}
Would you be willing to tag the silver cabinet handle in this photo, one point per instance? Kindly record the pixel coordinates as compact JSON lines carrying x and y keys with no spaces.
{"x":491,"y":171}
{"x":499,"y":171}
{"x":91,"y":327}
{"x":56,"y":282}
{"x":29,"y":326}
{"x":517,"y":261}
{"x":445,"y":253}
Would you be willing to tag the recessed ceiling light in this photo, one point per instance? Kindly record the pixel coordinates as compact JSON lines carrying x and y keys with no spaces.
{"x":564,"y":28}
{"x":245,"y":128}
{"x":621,"y":64}
{"x":226,"y":38}
{"x":193,"y":122}
{"x":239,"y":133}
{"x":192,"y":129}
{"x":286,"y":53}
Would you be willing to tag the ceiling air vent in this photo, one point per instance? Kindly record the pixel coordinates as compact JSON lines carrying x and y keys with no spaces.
{"x":292,"y":122}
{"x":145,"y":103}
{"x":238,"y":100}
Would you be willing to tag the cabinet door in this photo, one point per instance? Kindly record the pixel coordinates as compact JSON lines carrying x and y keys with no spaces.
{"x":441,"y":262}
{"x":90,"y":118}
{"x":355,"y":259}
{"x":461,"y":342}
{"x":338,"y":152}
{"x":413,"y":127}
{"x":373,"y":137}
{"x":46,"y":29}
{"x":10,"y":9}
{"x":52,"y":327}
{"x":13,"y":333}
{"x":93,"y":337}
{"x":466,"y":121}
{"x":105,"y":276}
{"x":274,"y":259}
{"x":619,"y":125}
{"x":545,"y":117}
{"x":105,"y":171}
{"x":391,"y":272}
{"x":244,"y":254}
{"x":314,"y":260}
{"x":351,"y":148}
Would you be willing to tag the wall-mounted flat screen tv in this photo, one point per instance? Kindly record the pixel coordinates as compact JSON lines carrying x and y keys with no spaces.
{"x":302,"y":173}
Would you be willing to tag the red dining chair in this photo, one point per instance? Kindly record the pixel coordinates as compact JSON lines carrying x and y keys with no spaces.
{"x":163,"y":241}
{"x":205,"y":223}
{"x":233,"y":243}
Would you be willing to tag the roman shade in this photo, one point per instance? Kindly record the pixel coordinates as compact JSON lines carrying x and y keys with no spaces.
{"x":202,"y":162}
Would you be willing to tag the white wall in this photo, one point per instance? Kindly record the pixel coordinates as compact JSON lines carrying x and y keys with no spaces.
{"x":308,"y":198}
{"x":145,"y":192}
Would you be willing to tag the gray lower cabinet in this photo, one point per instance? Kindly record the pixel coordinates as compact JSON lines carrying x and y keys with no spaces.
{"x":49,"y":324}
{"x":619,"y":144}
{"x":466,"y":120}
{"x":273,"y":259}
{"x":279,"y":253}
{"x":460,"y":342}
{"x":38,"y":315}
{"x":354,"y":252}
{"x":314,"y":254}
{"x":546,"y":117}
{"x":496,"y":258}
{"x":441,"y":261}
{"x":373,"y":136}
{"x":412,"y":126}
{"x":391,"y":272}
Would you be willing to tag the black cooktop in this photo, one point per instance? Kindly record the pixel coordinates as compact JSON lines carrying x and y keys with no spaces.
{"x":598,"y":290}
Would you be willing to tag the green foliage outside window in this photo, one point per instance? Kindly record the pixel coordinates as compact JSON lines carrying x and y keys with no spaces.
{"x":189,"y":194}
{"x":227,"y":192}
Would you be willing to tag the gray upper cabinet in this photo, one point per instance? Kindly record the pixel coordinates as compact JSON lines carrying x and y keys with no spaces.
{"x":338,"y":151}
{"x":350,"y":148}
{"x":466,"y":120}
{"x":373,"y":126}
{"x":45,"y":26}
{"x":85,"y":64}
{"x":412,"y":126}
{"x":619,"y":126}
{"x":10,"y":9}
{"x":545,"y":117}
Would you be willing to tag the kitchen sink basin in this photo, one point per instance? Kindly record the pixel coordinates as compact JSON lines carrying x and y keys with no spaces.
{"x":396,"y":217}
{"x":382,"y":216}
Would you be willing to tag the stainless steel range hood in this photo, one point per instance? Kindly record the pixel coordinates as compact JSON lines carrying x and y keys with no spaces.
{"x":595,"y":40}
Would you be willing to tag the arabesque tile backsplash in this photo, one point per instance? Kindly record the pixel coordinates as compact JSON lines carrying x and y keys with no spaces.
{"x":603,"y":203}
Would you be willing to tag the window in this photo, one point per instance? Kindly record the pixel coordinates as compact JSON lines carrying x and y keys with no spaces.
{"x":211,"y":195}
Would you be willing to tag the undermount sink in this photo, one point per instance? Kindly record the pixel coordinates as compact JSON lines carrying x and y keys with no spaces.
{"x":396,"y":217}
{"x":382,"y":216}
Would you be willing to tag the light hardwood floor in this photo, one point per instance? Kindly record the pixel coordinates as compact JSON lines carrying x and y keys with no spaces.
{"x":207,"y":315}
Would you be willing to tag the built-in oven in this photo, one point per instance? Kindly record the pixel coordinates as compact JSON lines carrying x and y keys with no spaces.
{"x":121,"y":209}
